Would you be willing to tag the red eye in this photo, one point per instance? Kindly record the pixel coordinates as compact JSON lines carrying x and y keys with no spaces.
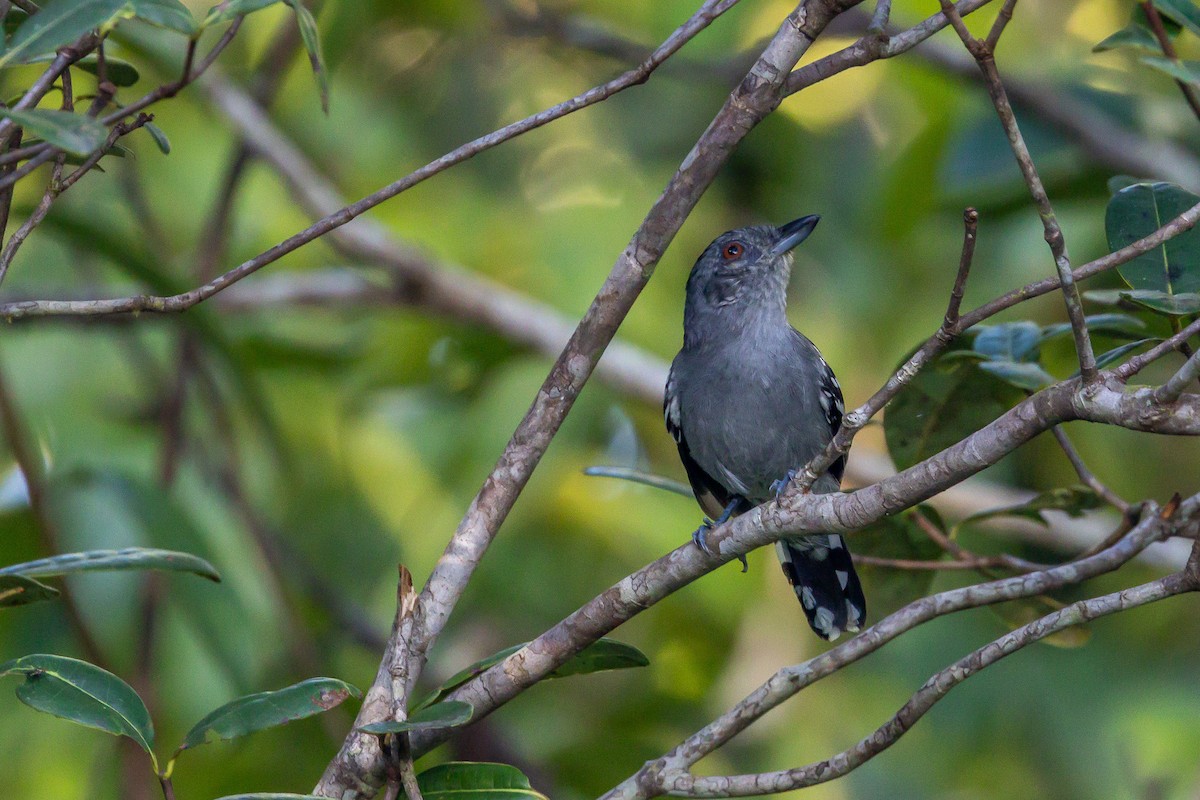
{"x":733,"y":250}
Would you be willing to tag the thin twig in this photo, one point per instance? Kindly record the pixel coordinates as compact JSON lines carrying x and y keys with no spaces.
{"x":1085,"y":474}
{"x":1170,"y":391}
{"x":1168,"y":49}
{"x":970,"y":233}
{"x":189,"y":75}
{"x":683,"y":784}
{"x":1139,"y":362}
{"x":934,"y":346}
{"x":983,"y":51}
{"x":787,"y":682}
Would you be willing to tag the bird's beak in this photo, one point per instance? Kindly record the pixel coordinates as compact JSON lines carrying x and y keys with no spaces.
{"x":794,"y":233}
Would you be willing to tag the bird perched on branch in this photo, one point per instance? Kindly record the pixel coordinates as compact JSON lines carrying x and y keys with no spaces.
{"x":749,"y":400}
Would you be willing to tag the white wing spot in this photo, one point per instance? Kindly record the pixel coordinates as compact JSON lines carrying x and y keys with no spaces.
{"x":842,"y":576}
{"x":809,"y":602}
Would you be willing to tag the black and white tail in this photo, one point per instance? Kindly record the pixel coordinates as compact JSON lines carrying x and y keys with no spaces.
{"x":822,"y":574}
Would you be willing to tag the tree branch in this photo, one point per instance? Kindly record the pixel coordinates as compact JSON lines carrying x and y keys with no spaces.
{"x":796,"y":512}
{"x":984,"y":53}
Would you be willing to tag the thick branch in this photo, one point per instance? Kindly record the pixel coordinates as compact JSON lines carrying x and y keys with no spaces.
{"x":797,"y":512}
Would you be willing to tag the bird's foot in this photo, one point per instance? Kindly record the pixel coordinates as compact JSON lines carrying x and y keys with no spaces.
{"x":778,"y":486}
{"x":700,"y":539}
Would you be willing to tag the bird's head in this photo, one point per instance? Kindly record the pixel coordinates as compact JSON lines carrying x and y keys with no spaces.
{"x":744,"y":273}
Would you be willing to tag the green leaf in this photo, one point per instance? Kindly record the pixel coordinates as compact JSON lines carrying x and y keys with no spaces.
{"x":73,"y":133}
{"x":604,"y":654}
{"x":18,"y":590}
{"x":1186,"y":71}
{"x":947,"y":401}
{"x":897,"y":537}
{"x":170,"y":14}
{"x":1139,"y":18}
{"x":59,"y":23}
{"x":1009,"y":341}
{"x":227,"y":10}
{"x":126,"y":558}
{"x":1132,"y":36}
{"x":119,"y":72}
{"x":1025,"y":610}
{"x":1118,"y":182}
{"x":1181,"y":12}
{"x":312,"y":45}
{"x":268,"y":709}
{"x":637,"y":476}
{"x":1117,"y":353}
{"x":1121,"y":324}
{"x":1071,"y":500}
{"x":83,"y":693}
{"x":447,"y":714}
{"x":1138,"y":211}
{"x":1025,"y":375}
{"x":160,"y":138}
{"x":1173,"y":305}
{"x":466,"y":780}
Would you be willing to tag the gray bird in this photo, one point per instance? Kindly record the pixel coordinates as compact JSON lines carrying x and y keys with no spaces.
{"x":750,"y":400}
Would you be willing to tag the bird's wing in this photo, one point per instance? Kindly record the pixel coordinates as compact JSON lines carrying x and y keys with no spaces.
{"x":710,"y":493}
{"x":830,"y":397}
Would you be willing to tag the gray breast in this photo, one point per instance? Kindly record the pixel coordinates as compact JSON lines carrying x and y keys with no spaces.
{"x":751,"y":411}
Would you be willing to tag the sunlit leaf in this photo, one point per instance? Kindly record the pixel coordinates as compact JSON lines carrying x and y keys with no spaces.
{"x":170,"y":14}
{"x":75,"y":133}
{"x":312,"y":45}
{"x":1181,"y":12}
{"x":1186,"y":71}
{"x":227,"y":10}
{"x":83,"y":693}
{"x":464,"y":780}
{"x":268,"y":709}
{"x":57,"y":24}
{"x":601,"y":655}
{"x":1132,"y":36}
{"x":129,"y":558}
{"x":1175,"y":305}
{"x":19,"y":590}
{"x":446,"y":714}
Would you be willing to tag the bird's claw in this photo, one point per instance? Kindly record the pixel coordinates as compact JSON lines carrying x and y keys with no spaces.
{"x":778,"y":486}
{"x":700,"y":539}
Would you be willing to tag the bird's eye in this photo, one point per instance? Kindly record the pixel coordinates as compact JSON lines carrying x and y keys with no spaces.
{"x":733,"y":250}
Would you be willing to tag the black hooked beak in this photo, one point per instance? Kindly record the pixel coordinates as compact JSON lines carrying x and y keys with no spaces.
{"x":794,"y":233}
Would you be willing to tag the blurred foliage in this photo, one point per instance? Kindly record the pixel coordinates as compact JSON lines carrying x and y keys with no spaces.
{"x":317,"y":448}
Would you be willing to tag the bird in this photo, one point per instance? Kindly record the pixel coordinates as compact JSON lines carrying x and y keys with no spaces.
{"x":749,"y":400}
